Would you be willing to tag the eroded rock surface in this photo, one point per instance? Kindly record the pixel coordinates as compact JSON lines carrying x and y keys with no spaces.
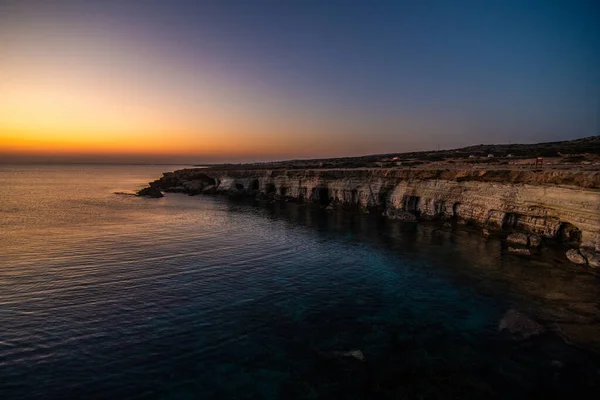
{"x":549,"y":206}
{"x":518,"y":238}
{"x":575,"y":257}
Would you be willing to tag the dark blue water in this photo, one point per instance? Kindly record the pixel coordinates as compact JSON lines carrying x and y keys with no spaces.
{"x":113,"y":296}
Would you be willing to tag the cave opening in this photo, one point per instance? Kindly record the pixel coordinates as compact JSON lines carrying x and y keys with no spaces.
{"x":239,"y":186}
{"x":254,"y":185}
{"x":411,"y":204}
{"x":569,"y":233}
{"x":384,"y":196}
{"x":323,"y":195}
{"x":270,"y":188}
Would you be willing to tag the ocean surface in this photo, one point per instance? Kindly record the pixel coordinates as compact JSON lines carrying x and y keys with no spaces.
{"x":114,"y":296}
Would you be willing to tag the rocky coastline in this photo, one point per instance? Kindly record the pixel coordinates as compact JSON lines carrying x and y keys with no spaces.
{"x":529,"y":208}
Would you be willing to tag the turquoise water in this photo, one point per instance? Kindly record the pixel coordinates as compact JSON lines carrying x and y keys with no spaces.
{"x":115,"y":296}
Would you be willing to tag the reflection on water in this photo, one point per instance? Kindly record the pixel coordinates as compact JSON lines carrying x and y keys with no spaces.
{"x":198,"y":297}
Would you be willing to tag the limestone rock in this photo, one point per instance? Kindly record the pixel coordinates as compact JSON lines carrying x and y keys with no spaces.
{"x":521,"y":251}
{"x":535,"y":241}
{"x":593,"y":258}
{"x":151,"y":191}
{"x":518,"y":238}
{"x":398,"y":215}
{"x":520,"y":325}
{"x":209,"y":189}
{"x":575,"y":257}
{"x":531,"y":202}
{"x":193,"y":187}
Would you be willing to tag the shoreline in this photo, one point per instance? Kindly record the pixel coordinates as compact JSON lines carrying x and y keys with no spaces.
{"x":527,"y":208}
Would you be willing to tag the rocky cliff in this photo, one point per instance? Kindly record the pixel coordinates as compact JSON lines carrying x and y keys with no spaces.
{"x":556,"y":206}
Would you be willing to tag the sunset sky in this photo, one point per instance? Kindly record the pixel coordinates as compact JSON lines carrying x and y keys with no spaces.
{"x":210,"y":81}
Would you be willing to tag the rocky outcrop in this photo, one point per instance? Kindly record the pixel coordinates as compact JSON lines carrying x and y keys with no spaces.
{"x":592,"y":258}
{"x":151,"y":191}
{"x":584,"y":257}
{"x":520,"y":243}
{"x":549,"y":206}
{"x":522,"y":251}
{"x":518,"y":238}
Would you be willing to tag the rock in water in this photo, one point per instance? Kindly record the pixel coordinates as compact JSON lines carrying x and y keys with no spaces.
{"x":522,"y":251}
{"x":593,"y":258}
{"x":398,"y":215}
{"x":520,"y":325}
{"x":535,"y":241}
{"x":575,"y":257}
{"x":517,"y":238}
{"x":151,"y":191}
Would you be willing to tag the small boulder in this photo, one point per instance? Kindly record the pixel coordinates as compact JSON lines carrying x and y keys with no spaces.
{"x":518,"y":238}
{"x":193,"y":187}
{"x":521,"y":251}
{"x":519,"y":325}
{"x":209,"y":189}
{"x":485,"y":233}
{"x":235,"y":193}
{"x":535,"y":241}
{"x":593,"y":258}
{"x":575,"y":257}
{"x":398,"y":215}
{"x":152,"y":191}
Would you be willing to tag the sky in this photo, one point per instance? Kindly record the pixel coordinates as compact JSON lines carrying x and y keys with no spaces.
{"x":231,"y":81}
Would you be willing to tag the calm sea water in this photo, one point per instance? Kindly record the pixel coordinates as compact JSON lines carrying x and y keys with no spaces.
{"x":114,"y":296}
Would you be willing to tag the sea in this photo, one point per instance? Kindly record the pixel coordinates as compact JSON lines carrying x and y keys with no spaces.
{"x":105,"y":295}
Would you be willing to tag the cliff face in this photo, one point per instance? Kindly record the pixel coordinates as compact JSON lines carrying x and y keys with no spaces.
{"x":556,"y":205}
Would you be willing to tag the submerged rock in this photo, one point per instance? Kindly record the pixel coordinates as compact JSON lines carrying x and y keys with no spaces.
{"x":520,"y":325}
{"x":535,"y":241}
{"x":575,"y":257}
{"x":151,"y":191}
{"x":518,"y":238}
{"x":522,"y":251}
{"x":398,"y":215}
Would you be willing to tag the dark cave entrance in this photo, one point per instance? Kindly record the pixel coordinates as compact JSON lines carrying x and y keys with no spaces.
{"x":270,"y":188}
{"x":323,"y":195}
